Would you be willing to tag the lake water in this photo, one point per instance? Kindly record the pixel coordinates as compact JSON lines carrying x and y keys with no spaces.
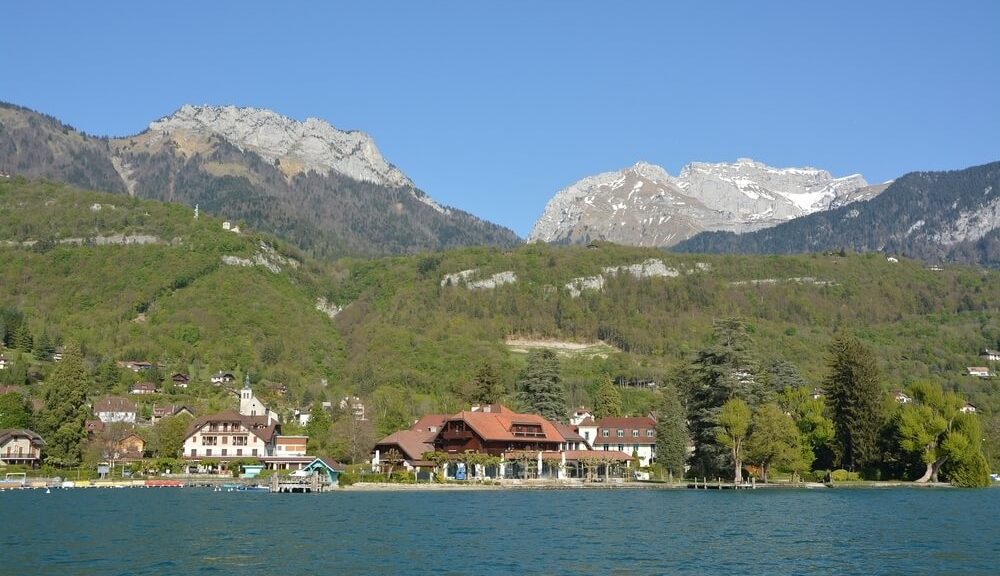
{"x":197,"y":531}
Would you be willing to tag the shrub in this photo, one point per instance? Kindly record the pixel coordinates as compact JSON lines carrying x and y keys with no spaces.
{"x":346,"y":479}
{"x":841,"y":475}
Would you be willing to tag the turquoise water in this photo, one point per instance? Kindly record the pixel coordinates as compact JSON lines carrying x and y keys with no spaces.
{"x":197,"y":531}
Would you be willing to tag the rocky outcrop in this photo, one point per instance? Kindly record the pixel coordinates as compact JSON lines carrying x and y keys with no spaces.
{"x":295,"y":146}
{"x":643,"y":205}
{"x":267,"y":257}
{"x":650,"y":268}
{"x":489,"y":283}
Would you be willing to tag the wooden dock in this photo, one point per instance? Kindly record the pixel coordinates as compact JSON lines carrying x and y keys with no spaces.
{"x":718,"y":484}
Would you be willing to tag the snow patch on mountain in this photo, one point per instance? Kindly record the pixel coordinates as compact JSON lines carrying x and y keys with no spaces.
{"x":644,"y":205}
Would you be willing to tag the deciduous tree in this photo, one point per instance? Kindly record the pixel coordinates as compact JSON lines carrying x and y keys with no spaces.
{"x":774,"y":441}
{"x":14,"y":411}
{"x":733,"y":424}
{"x":924,"y":424}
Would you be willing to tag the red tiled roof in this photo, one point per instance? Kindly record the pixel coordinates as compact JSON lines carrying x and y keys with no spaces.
{"x":568,"y":432}
{"x":114,"y":404}
{"x":626,"y":425}
{"x":411,"y":443}
{"x":627,"y":422}
{"x":257,"y":425}
{"x":425,"y":423}
{"x":495,"y":426}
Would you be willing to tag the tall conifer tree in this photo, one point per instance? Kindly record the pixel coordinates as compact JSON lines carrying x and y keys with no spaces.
{"x":671,"y":432}
{"x":61,"y":421}
{"x":607,"y":400}
{"x":853,"y":396}
{"x":540,"y":388}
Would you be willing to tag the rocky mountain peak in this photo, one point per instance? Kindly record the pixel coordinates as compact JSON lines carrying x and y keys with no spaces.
{"x":298,"y":147}
{"x":645,"y":205}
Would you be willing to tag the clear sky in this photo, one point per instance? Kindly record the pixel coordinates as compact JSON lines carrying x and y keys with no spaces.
{"x":494,"y":106}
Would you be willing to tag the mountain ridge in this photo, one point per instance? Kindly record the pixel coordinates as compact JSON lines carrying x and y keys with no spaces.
{"x":328,"y":191}
{"x":933,"y":216}
{"x":644,"y":205}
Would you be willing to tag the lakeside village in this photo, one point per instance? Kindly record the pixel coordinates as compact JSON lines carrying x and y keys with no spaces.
{"x":485,"y":443}
{"x":243,"y":447}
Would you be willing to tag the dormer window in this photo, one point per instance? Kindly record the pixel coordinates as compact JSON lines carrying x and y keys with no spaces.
{"x":621,"y":433}
{"x":606,"y":433}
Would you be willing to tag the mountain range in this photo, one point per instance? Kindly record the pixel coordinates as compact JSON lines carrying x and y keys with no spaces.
{"x":643,"y":205}
{"x":934,"y":216}
{"x":327,"y":190}
{"x":332,"y":193}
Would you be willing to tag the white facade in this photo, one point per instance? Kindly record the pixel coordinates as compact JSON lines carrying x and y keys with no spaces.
{"x":111,"y":417}
{"x":225,"y":439}
{"x":634,"y":436}
{"x":251,"y":406}
{"x":354,"y":405}
{"x":589,"y":432}
{"x":580,"y":415}
{"x":290,"y":446}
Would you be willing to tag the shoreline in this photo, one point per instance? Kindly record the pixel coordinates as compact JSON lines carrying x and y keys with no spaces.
{"x":506,"y":485}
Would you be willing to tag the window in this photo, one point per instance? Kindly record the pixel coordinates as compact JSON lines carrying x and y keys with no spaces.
{"x":194,"y":452}
{"x":239,"y":451}
{"x":208,"y":451}
{"x":254,"y":451}
{"x":635,"y":433}
{"x":224,"y":452}
{"x":586,"y":435}
{"x":649,"y":433}
{"x":225,"y":439}
{"x":605,"y":433}
{"x":621,"y":447}
{"x":621,"y":433}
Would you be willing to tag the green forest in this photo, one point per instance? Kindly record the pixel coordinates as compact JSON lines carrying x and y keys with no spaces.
{"x":408,"y":334}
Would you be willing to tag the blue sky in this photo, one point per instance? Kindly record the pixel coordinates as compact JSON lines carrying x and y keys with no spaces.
{"x":493,"y":107}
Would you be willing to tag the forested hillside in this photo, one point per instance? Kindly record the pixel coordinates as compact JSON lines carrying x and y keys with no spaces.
{"x":133,"y":279}
{"x":935,"y":216}
{"x":409,"y":333}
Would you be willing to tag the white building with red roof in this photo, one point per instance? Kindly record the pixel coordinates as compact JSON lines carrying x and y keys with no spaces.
{"x":631,"y":435}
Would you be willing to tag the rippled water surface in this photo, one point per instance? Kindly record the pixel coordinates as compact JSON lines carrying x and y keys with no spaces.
{"x":192,"y":531}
